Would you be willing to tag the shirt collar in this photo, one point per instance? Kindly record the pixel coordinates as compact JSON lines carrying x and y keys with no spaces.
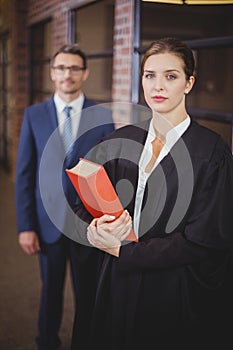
{"x":76,"y":104}
{"x":174,"y":134}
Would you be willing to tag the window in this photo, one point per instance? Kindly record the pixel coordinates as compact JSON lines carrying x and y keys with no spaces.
{"x":208,"y":31}
{"x":96,"y":40}
{"x":6,"y":99}
{"x":40,"y":49}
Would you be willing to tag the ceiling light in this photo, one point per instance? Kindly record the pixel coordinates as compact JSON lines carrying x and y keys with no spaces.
{"x":178,"y":2}
{"x":208,"y":2}
{"x":193,"y":2}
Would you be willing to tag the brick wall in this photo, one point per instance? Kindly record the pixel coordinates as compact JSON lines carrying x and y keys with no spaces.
{"x":22,"y":14}
{"x":30,"y":12}
{"x":123,"y":46}
{"x":19,"y":66}
{"x":57,"y":10}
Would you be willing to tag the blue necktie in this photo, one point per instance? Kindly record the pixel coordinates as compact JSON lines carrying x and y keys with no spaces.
{"x":67,"y":131}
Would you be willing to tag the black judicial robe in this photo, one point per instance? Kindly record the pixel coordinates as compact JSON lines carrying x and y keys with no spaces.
{"x":173,"y":287}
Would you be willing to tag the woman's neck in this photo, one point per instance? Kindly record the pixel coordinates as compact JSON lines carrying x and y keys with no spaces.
{"x":163,"y":123}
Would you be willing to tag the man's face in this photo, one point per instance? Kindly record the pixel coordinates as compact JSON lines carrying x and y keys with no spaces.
{"x":67,"y":77}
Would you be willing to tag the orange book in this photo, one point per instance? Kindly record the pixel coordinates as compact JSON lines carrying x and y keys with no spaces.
{"x":96,"y":191}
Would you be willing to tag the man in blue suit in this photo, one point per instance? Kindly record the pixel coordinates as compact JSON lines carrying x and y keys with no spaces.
{"x":45,"y":196}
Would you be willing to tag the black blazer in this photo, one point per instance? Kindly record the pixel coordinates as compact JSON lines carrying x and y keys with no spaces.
{"x":173,"y":279}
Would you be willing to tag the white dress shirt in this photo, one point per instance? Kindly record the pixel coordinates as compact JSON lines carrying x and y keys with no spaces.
{"x":75,"y":113}
{"x":171,"y":138}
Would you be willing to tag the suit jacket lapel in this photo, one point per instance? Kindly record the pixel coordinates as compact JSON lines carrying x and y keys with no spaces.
{"x":173,"y":166}
{"x":52,"y":127}
{"x":131,"y":150}
{"x":87,"y":121}
{"x":51,"y":111}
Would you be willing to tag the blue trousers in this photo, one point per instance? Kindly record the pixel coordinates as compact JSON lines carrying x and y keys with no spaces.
{"x":85,"y":263}
{"x":53,"y":266}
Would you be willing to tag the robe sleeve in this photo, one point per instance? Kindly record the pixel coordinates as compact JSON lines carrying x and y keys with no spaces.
{"x":208,"y":230}
{"x":210,"y":222}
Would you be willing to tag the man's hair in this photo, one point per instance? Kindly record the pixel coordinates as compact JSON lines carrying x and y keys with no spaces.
{"x":73,"y":49}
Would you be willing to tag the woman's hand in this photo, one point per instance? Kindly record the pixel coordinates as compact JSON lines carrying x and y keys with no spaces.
{"x":106,"y":233}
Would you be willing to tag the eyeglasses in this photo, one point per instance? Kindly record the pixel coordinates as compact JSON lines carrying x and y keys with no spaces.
{"x":73,"y":69}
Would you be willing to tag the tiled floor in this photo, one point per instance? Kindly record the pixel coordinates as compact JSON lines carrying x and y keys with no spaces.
{"x":20,"y":283}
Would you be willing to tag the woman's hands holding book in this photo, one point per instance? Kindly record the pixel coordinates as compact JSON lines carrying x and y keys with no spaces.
{"x":107,"y":232}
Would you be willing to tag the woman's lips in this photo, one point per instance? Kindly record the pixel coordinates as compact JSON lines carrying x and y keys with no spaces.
{"x":159,"y":98}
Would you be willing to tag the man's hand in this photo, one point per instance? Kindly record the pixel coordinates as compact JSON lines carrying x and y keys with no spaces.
{"x":29,"y":242}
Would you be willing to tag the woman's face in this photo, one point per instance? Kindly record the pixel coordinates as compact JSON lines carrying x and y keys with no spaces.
{"x":165,"y":84}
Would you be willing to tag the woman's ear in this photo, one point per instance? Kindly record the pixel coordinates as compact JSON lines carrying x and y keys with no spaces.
{"x":189,"y":84}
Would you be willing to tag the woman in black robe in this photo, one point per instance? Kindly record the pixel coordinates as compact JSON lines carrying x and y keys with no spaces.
{"x":173,"y":286}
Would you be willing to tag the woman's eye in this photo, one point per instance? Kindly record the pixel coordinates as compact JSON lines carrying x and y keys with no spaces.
{"x":171,"y":77}
{"x":149,"y":75}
